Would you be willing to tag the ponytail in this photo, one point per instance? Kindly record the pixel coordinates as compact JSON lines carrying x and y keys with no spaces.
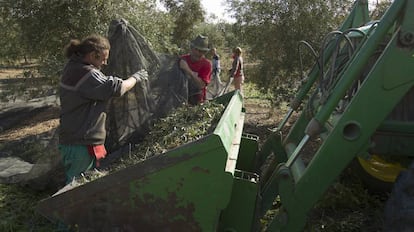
{"x":72,"y":48}
{"x":89,"y":44}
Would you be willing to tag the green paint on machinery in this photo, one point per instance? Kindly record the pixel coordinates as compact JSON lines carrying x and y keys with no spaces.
{"x":355,"y":100}
{"x":362,"y":98}
{"x":185,"y":189}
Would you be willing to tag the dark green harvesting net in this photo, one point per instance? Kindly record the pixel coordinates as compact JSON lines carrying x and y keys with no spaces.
{"x":129,"y":116}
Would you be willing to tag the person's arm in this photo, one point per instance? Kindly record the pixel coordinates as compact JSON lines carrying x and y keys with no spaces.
{"x":190,"y":74}
{"x":129,"y":83}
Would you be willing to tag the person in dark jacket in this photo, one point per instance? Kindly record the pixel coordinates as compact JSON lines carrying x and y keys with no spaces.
{"x":84,"y":95}
{"x":215,"y":61}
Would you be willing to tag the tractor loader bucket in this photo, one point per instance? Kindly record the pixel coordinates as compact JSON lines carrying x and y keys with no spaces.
{"x":184,"y":189}
{"x":341,"y":117}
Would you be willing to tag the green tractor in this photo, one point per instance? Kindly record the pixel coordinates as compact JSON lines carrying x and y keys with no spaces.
{"x":360,"y":108}
{"x":356,"y":102}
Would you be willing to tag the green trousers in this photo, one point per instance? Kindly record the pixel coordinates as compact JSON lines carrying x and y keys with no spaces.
{"x":76,"y":160}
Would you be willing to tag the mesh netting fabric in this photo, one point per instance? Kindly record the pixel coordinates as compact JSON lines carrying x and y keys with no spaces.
{"x":215,"y":87}
{"x":170,"y":87}
{"x":130,"y":116}
{"x":130,"y":51}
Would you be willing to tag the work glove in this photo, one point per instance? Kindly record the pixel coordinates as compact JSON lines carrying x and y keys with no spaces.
{"x":141,"y":75}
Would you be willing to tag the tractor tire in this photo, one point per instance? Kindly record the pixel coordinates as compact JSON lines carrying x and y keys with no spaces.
{"x":377,"y":175}
{"x":399,"y":209}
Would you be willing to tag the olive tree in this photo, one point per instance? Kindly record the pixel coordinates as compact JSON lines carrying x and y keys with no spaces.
{"x":11,"y":46}
{"x":42,"y":28}
{"x":187,"y":15}
{"x":273,"y":29}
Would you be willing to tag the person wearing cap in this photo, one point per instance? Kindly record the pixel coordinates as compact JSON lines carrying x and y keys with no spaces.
{"x":197,"y":69}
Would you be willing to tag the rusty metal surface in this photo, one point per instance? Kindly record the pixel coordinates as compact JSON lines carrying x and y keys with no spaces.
{"x":109,"y":204}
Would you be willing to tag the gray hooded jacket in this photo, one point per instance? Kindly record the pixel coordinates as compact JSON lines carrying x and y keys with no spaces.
{"x":84,"y":95}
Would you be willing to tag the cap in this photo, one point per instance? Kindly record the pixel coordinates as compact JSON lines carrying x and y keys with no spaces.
{"x":200,"y":43}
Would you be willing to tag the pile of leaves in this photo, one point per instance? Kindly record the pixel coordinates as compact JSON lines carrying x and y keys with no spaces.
{"x":185,"y":124}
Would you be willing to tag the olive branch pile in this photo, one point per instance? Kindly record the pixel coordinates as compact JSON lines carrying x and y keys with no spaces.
{"x":183,"y":125}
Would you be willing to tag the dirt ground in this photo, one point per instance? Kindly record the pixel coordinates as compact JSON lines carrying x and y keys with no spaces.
{"x":42,"y":122}
{"x":38,"y":122}
{"x":260,"y":116}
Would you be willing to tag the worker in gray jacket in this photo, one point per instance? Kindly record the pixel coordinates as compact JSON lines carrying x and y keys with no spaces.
{"x":84,"y":95}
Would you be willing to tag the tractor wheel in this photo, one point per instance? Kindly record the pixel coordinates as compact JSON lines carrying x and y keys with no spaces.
{"x":399,"y":209}
{"x":377,"y":174}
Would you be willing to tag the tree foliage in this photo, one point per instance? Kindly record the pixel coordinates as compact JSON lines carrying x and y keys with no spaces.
{"x":187,"y":14}
{"x":269,"y":31}
{"x":273,"y":29}
{"x":155,"y":25}
{"x":48,"y":24}
{"x":10,"y":32}
{"x":41,"y":28}
{"x":380,"y":8}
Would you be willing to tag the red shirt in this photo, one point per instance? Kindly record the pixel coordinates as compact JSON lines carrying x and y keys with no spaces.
{"x":203,"y":68}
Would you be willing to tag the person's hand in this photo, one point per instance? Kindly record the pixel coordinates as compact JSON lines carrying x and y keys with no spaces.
{"x":141,"y":75}
{"x":194,"y":74}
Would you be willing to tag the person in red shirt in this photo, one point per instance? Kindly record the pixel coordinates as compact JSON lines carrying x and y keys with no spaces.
{"x":198,"y":69}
